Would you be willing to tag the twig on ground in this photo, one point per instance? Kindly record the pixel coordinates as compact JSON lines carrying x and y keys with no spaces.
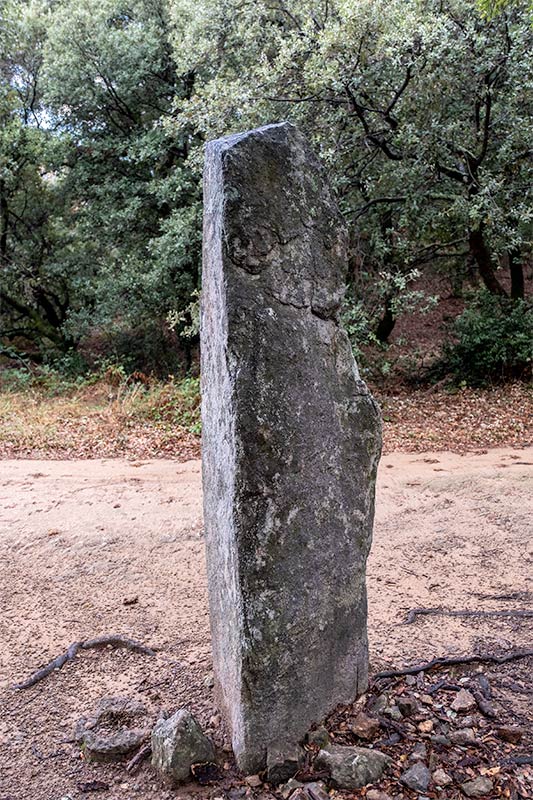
{"x":435,"y":663}
{"x":434,"y":612}
{"x":111,"y":640}
{"x":142,"y":754}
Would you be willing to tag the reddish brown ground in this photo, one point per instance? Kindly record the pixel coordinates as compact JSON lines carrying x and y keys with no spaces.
{"x":106,"y":546}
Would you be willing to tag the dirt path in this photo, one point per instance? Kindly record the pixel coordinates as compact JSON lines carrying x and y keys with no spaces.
{"x":79,"y":538}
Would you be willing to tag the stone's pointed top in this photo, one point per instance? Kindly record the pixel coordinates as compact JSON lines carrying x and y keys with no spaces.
{"x":227,"y":142}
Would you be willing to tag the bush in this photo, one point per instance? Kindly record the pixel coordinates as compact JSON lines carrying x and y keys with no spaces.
{"x":493,"y":341}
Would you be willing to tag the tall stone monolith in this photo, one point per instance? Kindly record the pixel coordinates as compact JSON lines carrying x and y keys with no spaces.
{"x":291,"y":442}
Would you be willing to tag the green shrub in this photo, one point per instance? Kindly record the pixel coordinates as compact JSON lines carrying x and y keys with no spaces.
{"x":492,"y":341}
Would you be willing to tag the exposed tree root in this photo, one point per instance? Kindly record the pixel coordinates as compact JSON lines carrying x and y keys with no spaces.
{"x":142,"y":754}
{"x":435,"y":612}
{"x":488,"y":658}
{"x":111,"y":640}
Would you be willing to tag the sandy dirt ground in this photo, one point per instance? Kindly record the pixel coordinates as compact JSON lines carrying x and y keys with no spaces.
{"x":100,"y":547}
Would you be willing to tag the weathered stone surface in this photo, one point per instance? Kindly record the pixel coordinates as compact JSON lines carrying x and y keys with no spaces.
{"x":117,"y":726}
{"x":291,"y":441}
{"x":353,"y":767}
{"x":177,"y":744}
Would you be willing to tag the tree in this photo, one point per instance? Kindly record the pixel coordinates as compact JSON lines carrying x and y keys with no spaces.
{"x":420,"y":110}
{"x":122,"y":242}
{"x":34,"y":293}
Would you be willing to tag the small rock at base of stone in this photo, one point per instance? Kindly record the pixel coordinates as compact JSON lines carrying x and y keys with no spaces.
{"x":177,"y":744}
{"x":353,"y":767}
{"x":282,"y":765}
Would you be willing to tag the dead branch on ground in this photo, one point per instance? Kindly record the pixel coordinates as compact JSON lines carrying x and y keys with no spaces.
{"x":111,"y":640}
{"x":489,"y":658}
{"x":434,"y":612}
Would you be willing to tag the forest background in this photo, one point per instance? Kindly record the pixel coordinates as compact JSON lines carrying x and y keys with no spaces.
{"x":420,"y":110}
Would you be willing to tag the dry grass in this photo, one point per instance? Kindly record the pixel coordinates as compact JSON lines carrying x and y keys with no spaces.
{"x":101,"y":421}
{"x":114,"y":417}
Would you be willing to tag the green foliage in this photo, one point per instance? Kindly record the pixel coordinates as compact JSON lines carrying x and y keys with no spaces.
{"x":99,"y":211}
{"x":493,"y":341}
{"x":420,"y":110}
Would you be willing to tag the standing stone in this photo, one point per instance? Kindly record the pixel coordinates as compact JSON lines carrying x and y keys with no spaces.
{"x":291,"y":442}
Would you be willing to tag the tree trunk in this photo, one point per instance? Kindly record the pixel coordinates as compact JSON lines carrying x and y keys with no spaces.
{"x":481,"y":255}
{"x":3,"y":224}
{"x":386,"y":324}
{"x":517,"y":274}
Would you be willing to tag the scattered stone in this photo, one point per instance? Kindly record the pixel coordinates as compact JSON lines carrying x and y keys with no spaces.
{"x":407,"y":705}
{"x":441,"y":778}
{"x":320,"y":738}
{"x":376,"y":794}
{"x":380,"y":704}
{"x":365,"y":727}
{"x":464,"y":737}
{"x":117,"y":726}
{"x":464,"y":722}
{"x":410,"y":680}
{"x":282,"y":764}
{"x":479,"y":787}
{"x":289,"y":787}
{"x":416,"y":777}
{"x":510,"y":734}
{"x":177,"y":744}
{"x":316,"y":790}
{"x":441,"y":740}
{"x":394,"y":713}
{"x":253,"y":780}
{"x":419,"y":752}
{"x":464,"y":701}
{"x":236,"y":794}
{"x":353,"y":767}
{"x":426,"y":699}
{"x":426,"y":726}
{"x":394,"y":738}
{"x":209,"y":680}
{"x":278,"y":369}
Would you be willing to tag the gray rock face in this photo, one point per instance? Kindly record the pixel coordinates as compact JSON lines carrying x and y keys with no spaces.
{"x":291,"y":442}
{"x":353,"y":767}
{"x":177,"y":744}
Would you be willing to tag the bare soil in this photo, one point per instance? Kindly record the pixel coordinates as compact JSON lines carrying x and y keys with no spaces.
{"x":115,"y":547}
